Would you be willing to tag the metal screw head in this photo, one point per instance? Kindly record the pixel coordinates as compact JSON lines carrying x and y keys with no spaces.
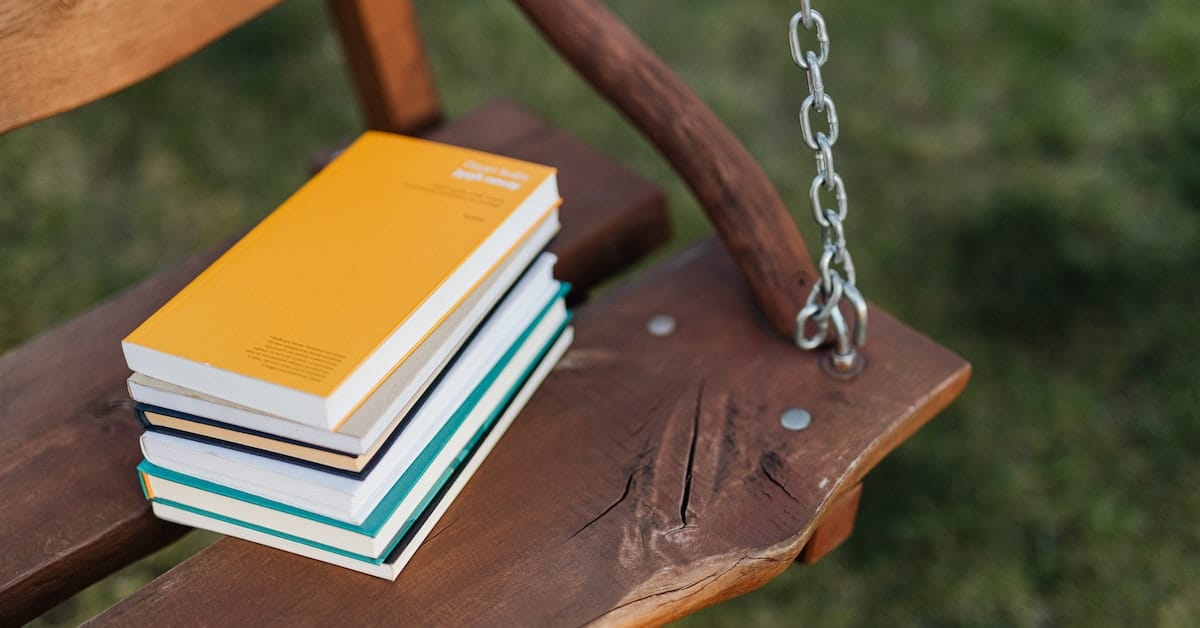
{"x":661,"y":325}
{"x":795,"y":419}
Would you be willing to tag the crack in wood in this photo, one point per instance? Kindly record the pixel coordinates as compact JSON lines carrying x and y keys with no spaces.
{"x":624,"y":494}
{"x":687,"y":478}
{"x":441,"y":529}
{"x":762,"y":464}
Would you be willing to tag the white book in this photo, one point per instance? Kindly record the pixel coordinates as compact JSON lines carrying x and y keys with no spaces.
{"x":391,"y":566}
{"x":338,"y":497}
{"x":369,"y":425}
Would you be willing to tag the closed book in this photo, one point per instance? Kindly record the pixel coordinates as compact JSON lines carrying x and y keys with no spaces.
{"x":414,"y":530}
{"x":467,"y":384}
{"x":350,"y":447}
{"x":517,"y":317}
{"x":373,"y":538}
{"x":316,"y":305}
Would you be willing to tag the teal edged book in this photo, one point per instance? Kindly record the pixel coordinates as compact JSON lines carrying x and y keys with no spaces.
{"x":349,"y":499}
{"x":384,"y":543}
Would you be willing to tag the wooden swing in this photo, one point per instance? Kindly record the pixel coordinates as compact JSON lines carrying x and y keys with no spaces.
{"x":648,"y":478}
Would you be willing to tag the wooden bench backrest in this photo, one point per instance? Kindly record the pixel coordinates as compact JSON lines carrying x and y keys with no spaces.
{"x":59,"y":55}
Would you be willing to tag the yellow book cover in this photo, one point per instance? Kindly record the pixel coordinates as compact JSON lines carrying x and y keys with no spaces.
{"x":306,"y":314}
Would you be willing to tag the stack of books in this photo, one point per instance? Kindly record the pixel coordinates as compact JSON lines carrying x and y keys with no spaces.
{"x":330,"y":384}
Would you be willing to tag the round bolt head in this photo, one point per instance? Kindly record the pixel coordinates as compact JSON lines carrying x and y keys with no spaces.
{"x":661,"y":325}
{"x":795,"y":419}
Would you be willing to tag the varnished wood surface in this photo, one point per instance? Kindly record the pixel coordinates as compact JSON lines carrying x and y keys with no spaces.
{"x":67,"y":452}
{"x":647,"y":478}
{"x":58,"y":55}
{"x":73,"y":511}
{"x":391,"y":71}
{"x":836,"y":526}
{"x":739,"y":200}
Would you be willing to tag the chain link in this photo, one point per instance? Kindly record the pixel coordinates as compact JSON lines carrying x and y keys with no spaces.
{"x":837,"y":275}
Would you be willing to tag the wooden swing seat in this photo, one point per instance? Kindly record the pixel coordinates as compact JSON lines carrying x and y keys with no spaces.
{"x":649,"y":476}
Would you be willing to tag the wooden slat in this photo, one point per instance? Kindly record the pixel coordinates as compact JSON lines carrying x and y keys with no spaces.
{"x":68,"y":441}
{"x":391,"y":72}
{"x":68,"y":448}
{"x":647,"y":478}
{"x":55,"y":56}
{"x":835,"y":528}
{"x":736,"y":195}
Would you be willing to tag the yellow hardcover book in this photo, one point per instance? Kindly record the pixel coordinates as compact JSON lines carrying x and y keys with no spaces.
{"x":315,"y":306}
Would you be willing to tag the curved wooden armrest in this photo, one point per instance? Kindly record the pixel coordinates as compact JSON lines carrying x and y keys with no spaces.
{"x":742,"y":204}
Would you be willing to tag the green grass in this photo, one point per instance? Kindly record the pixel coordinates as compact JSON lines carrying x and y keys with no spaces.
{"x":1025,"y":187}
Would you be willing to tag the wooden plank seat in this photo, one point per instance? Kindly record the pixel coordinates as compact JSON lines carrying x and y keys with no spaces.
{"x":73,"y":510}
{"x":647,"y":478}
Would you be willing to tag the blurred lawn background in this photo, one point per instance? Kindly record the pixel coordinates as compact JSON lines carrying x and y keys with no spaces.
{"x":1025,"y":187}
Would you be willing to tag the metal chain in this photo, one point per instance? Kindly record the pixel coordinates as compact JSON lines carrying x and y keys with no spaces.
{"x":837,"y":276}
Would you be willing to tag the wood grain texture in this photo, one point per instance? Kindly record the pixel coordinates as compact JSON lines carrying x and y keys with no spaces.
{"x":68,"y":446}
{"x":739,"y":199}
{"x":647,"y":478}
{"x":391,"y":72}
{"x":835,"y":528}
{"x":73,"y":511}
{"x":58,"y":55}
